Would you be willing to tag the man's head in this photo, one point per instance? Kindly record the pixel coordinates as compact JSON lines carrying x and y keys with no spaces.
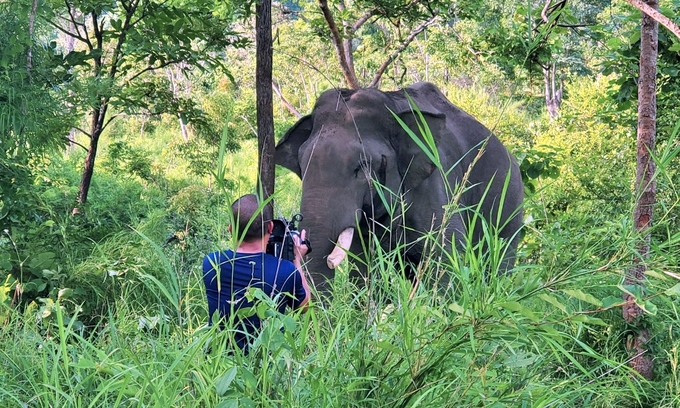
{"x":244,"y":210}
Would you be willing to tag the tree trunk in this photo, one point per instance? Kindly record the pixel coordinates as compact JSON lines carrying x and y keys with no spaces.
{"x":645,"y":186}
{"x":70,"y":46}
{"x":31,"y":30}
{"x":71,"y":140}
{"x":174,"y":87}
{"x":265,"y":110}
{"x":183,"y":127}
{"x":88,"y":169}
{"x":553,"y":90}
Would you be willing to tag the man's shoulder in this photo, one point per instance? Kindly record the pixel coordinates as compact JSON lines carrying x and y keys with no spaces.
{"x":218,"y":257}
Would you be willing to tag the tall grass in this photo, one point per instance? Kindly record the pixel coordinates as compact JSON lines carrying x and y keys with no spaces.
{"x":533,"y":338}
{"x":549,"y":334}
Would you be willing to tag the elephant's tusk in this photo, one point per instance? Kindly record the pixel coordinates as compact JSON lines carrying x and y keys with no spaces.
{"x":341,"y":247}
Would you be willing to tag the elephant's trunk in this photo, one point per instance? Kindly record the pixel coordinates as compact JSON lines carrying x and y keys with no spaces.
{"x":329,"y":223}
{"x":341,"y":247}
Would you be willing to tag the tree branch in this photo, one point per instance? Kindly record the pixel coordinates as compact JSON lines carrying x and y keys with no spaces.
{"x":400,"y":49}
{"x":116,"y":58}
{"x":89,"y":136}
{"x":348,"y":73}
{"x":75,"y":143}
{"x":76,"y":25}
{"x":285,"y":102}
{"x":657,"y":16}
{"x":474,"y":53}
{"x":362,"y":20}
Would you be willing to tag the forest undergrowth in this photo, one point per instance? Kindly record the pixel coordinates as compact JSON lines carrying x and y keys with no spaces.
{"x":113,"y":313}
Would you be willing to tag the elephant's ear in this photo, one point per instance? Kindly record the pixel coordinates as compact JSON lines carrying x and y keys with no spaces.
{"x":415,"y":165}
{"x":287,"y":149}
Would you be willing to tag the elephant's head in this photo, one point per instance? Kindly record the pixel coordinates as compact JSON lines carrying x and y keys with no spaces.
{"x":349,"y":145}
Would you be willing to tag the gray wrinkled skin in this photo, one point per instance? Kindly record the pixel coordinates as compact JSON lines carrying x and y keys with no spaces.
{"x":351,"y":151}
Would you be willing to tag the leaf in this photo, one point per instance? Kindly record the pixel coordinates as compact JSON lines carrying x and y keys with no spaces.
{"x":582,"y":318}
{"x":247,"y":402}
{"x":5,"y":264}
{"x":632,"y":290}
{"x":387,"y":346}
{"x":85,"y":363}
{"x":249,"y":379}
{"x":675,"y":47}
{"x":517,"y":307}
{"x":648,"y":307}
{"x":65,"y":293}
{"x":614,"y":43}
{"x":553,"y":301}
{"x":635,"y":37}
{"x":289,"y":324}
{"x":224,"y":382}
{"x":40,"y":285}
{"x":612,"y":301}
{"x":548,"y":328}
{"x":233,"y":403}
{"x":674,"y":291}
{"x":580,"y":295}
{"x":521,"y":359}
{"x":456,"y":308}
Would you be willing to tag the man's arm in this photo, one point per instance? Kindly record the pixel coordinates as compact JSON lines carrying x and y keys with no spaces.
{"x":300,"y":251}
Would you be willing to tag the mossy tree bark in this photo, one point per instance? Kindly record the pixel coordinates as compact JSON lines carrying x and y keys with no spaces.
{"x":645,"y":185}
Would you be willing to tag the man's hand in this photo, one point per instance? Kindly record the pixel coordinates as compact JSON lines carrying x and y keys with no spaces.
{"x":301,"y":249}
{"x":301,"y":245}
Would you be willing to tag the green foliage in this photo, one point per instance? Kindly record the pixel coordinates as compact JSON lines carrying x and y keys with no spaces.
{"x":188,"y":201}
{"x":123,"y":159}
{"x":622,"y":58}
{"x":506,"y":118}
{"x":544,"y":335}
{"x":595,"y":160}
{"x":540,"y":162}
{"x":107,"y":308}
{"x":115,"y":67}
{"x":33,"y":120}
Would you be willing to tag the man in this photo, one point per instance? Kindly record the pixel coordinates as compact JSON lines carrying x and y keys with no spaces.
{"x":228,"y":275}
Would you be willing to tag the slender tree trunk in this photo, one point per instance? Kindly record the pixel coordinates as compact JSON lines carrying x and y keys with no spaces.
{"x":645,"y":185}
{"x":174,"y":87}
{"x":553,"y":90}
{"x":265,"y":110}
{"x":183,"y":127}
{"x":31,"y":30}
{"x":71,"y":140}
{"x":70,"y":46}
{"x":88,"y":169}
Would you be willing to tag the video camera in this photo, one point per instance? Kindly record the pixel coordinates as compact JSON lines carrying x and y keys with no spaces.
{"x":281,"y":243}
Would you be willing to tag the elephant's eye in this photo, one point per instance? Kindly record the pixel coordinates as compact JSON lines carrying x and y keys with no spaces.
{"x":362,"y":167}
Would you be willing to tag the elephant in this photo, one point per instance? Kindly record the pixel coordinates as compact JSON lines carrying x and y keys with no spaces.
{"x":356,"y":160}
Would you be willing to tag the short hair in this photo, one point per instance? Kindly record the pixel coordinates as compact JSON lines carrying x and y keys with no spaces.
{"x":247,"y":210}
